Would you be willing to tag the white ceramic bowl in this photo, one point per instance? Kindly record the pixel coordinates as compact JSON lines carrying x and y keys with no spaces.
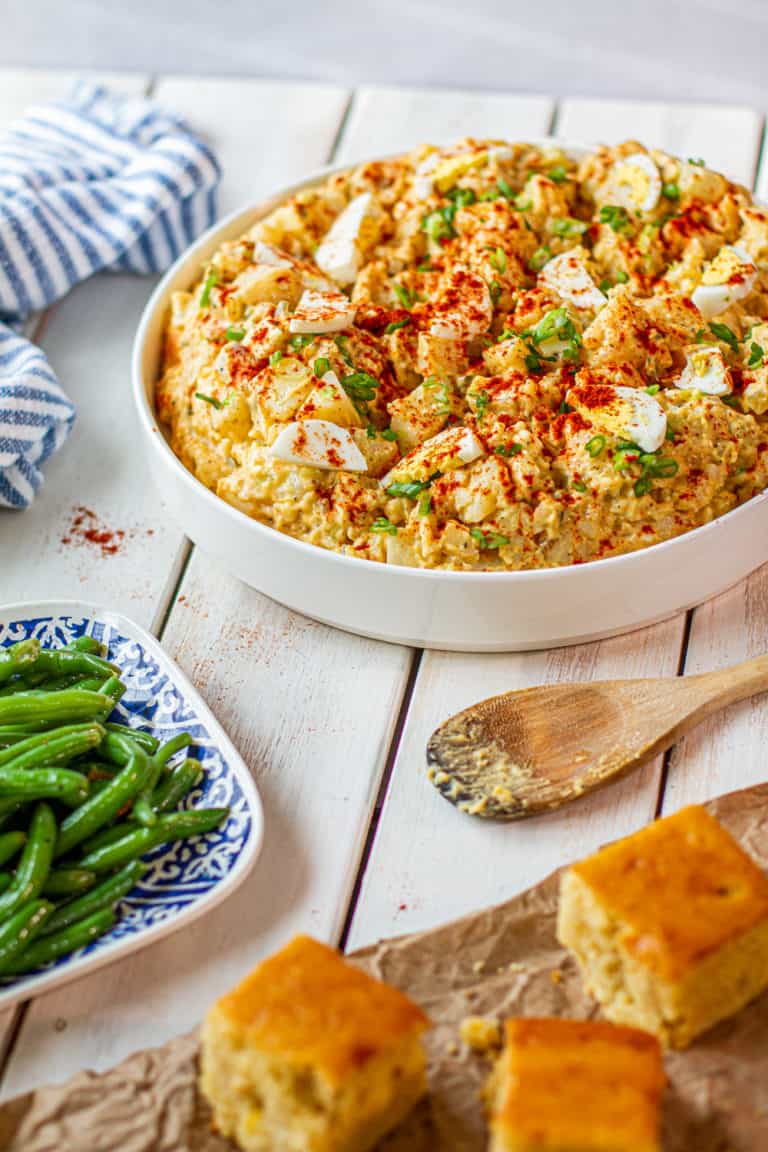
{"x":462,"y":611}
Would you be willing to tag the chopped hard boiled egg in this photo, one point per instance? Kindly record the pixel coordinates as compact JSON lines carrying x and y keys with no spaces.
{"x":445,"y":452}
{"x":464,"y":307}
{"x":638,"y":182}
{"x":329,"y":401}
{"x":706,"y":371}
{"x":447,"y":172}
{"x":318,"y":444}
{"x":729,"y":277}
{"x":628,"y":412}
{"x":567,"y":276}
{"x":266,"y":254}
{"x":319,"y":312}
{"x":342,"y":250}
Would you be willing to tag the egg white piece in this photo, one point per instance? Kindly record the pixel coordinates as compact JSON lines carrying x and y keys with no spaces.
{"x":445,"y":452}
{"x":729,"y":277}
{"x":318,"y":444}
{"x":424,"y":177}
{"x":464,"y":307}
{"x":628,"y":412}
{"x":706,"y":371}
{"x":566,"y":275}
{"x":638,"y":182}
{"x":319,"y":312}
{"x":266,"y":254}
{"x":340,"y":255}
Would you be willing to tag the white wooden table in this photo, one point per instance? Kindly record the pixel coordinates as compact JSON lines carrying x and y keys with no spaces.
{"x":358,"y":844}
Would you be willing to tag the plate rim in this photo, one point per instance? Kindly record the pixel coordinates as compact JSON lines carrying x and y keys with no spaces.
{"x":26,"y":988}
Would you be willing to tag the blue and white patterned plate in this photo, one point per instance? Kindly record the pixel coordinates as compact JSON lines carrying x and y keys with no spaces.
{"x":184,"y":879}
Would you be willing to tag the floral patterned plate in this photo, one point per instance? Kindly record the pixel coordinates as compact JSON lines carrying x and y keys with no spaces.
{"x":184,"y":879}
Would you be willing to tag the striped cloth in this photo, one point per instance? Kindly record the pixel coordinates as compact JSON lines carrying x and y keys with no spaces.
{"x":93,"y":182}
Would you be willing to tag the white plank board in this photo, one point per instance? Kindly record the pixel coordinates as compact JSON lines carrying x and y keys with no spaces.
{"x":298,"y":700}
{"x":728,"y":751}
{"x":266,"y":134}
{"x":387,"y":120}
{"x":728,"y":138}
{"x":430,"y":863}
{"x":20,"y":87}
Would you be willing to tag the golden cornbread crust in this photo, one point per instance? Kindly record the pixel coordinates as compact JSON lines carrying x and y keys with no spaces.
{"x":669,"y":926}
{"x":562,"y":1085}
{"x":477,"y":313}
{"x":309,"y":1054}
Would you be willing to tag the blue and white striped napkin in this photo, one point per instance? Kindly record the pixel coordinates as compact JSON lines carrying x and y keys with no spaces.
{"x":88,"y":183}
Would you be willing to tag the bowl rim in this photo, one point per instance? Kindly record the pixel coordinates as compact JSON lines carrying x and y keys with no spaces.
{"x":230,"y":225}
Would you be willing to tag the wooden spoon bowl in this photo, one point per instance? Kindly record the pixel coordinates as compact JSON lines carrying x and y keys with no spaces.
{"x":523,"y":753}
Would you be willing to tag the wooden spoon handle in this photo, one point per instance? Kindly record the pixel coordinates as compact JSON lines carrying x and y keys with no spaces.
{"x":729,"y":685}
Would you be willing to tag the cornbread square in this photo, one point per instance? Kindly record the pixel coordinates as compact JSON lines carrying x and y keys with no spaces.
{"x":309,"y":1054}
{"x":576,"y":1086}
{"x":669,"y":926}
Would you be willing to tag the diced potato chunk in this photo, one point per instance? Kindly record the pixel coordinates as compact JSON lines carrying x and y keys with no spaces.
{"x":329,"y":401}
{"x":420,"y":414}
{"x":266,"y":284}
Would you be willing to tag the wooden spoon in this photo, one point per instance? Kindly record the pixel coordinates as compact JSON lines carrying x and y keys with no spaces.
{"x":527,"y":752}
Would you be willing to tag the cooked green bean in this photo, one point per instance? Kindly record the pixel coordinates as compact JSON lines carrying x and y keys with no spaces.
{"x":51,"y":749}
{"x":71,"y":788}
{"x":114,"y":688}
{"x":176,"y":826}
{"x":49,"y":948}
{"x":40,"y":710}
{"x":52,"y":662}
{"x":35,"y":863}
{"x":86,"y":644}
{"x":143,"y":810}
{"x":175,"y":787}
{"x":17,"y":657}
{"x":109,"y":835}
{"x":10,"y":844}
{"x":102,"y":808}
{"x":68,"y":882}
{"x":106,"y":895}
{"x":147,"y":741}
{"x":18,"y":932}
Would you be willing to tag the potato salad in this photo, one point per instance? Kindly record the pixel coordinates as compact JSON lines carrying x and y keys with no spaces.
{"x":484,"y":357}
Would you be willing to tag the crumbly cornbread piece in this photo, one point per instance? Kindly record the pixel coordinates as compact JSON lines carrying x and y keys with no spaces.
{"x":575,"y":1086}
{"x":669,"y":926}
{"x":309,"y":1054}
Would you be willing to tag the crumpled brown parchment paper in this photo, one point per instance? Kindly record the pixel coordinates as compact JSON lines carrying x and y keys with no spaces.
{"x":503,"y":961}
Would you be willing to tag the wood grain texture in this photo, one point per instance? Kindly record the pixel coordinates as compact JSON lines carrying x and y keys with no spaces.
{"x":265,"y":134}
{"x":385,"y":120}
{"x":430,"y":862}
{"x":728,"y":751}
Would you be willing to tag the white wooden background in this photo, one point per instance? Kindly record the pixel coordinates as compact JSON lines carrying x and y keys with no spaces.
{"x":358,"y":843}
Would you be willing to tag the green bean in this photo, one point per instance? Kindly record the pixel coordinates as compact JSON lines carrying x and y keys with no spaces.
{"x":106,"y":895}
{"x":109,"y":835}
{"x":52,"y":662}
{"x":17,"y":657}
{"x":102,"y":808}
{"x":86,"y":644}
{"x":35,"y":863}
{"x":51,"y":749}
{"x":39,"y":710}
{"x":68,"y":882}
{"x":175,"y":787}
{"x":20,"y":930}
{"x":10,"y":844}
{"x":71,"y":788}
{"x":176,"y":826}
{"x":142,"y":808}
{"x":49,"y":948}
{"x":114,"y":688}
{"x":143,"y":739}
